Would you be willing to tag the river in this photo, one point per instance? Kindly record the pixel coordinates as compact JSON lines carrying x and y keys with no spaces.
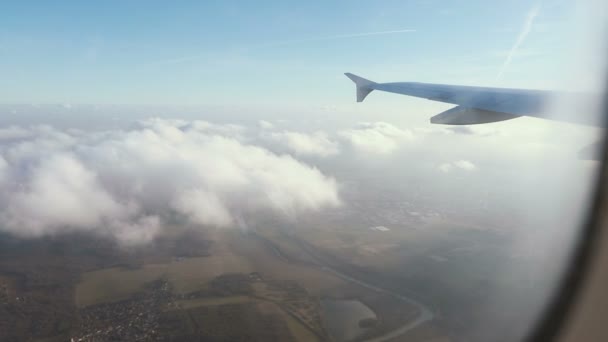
{"x":425,"y":314}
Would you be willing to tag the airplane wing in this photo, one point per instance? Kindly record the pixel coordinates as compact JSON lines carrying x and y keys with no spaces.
{"x":478,"y":105}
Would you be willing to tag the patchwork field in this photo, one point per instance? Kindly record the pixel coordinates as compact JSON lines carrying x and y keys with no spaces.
{"x":185,"y":275}
{"x":263,"y":275}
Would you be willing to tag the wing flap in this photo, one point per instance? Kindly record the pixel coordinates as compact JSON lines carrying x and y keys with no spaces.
{"x":460,"y":115}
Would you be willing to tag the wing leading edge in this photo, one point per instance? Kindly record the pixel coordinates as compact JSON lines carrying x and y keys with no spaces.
{"x":478,"y":105}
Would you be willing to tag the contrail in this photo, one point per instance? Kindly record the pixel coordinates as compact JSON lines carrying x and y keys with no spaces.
{"x":520,"y":39}
{"x":333,"y":37}
{"x":183,"y":59}
{"x":351,"y":35}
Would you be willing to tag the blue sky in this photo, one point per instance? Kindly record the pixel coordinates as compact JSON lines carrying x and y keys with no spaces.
{"x":275,"y":52}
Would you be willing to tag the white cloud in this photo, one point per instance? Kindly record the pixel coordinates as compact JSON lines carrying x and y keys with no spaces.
{"x":445,"y":167}
{"x":13,"y":132}
{"x":136,"y":231}
{"x":265,"y":124}
{"x":3,"y":171}
{"x":126,"y":183}
{"x":459,"y":164}
{"x":207,"y":127}
{"x":60,"y":193}
{"x":203,"y":207}
{"x":465,"y":165}
{"x":376,"y":137}
{"x":479,"y":130}
{"x":316,"y":144}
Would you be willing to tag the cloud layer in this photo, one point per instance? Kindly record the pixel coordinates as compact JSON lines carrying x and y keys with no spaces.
{"x":128,"y":183}
{"x":376,"y":137}
{"x":315,"y":144}
{"x":464,"y":165}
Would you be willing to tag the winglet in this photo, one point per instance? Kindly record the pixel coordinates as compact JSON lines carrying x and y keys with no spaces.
{"x":364,"y":87}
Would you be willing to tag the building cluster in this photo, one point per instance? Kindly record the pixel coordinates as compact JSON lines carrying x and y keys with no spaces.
{"x":135,"y":319}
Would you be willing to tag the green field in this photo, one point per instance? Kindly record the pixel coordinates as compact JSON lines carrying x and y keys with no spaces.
{"x":186,"y":275}
{"x":211,"y":301}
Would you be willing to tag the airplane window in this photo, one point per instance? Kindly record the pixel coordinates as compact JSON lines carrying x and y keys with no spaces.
{"x":314,"y":171}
